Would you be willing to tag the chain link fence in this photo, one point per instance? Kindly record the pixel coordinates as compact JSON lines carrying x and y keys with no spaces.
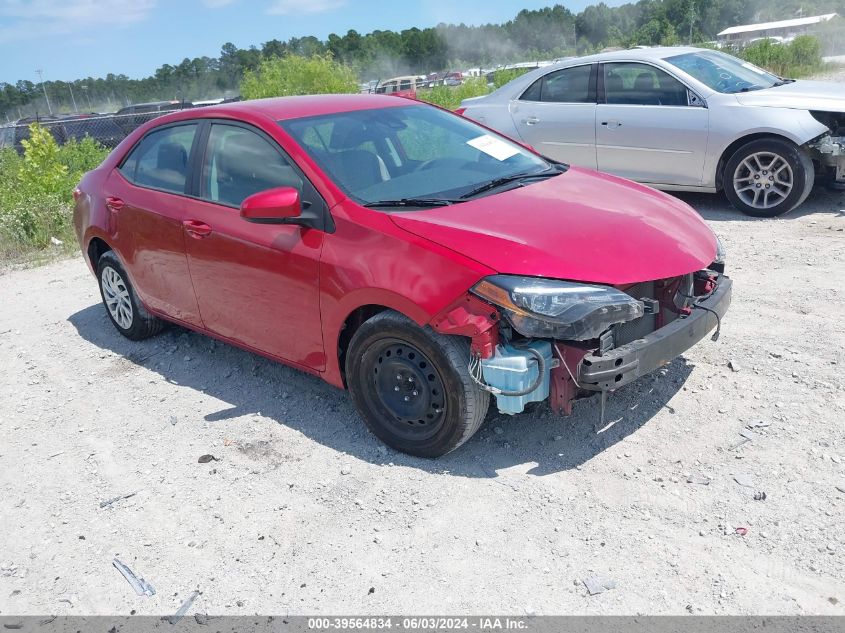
{"x":107,"y":129}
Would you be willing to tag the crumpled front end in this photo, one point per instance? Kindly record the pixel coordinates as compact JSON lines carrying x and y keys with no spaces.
{"x":561,"y":341}
{"x":828,"y":150}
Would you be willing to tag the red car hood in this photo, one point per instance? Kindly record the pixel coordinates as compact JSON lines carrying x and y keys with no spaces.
{"x":581,"y":226}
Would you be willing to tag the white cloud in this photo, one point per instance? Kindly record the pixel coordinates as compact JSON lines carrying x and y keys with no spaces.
{"x":285,"y":7}
{"x":26,"y":19}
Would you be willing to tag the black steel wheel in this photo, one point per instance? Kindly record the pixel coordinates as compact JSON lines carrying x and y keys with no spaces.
{"x":412,"y":385}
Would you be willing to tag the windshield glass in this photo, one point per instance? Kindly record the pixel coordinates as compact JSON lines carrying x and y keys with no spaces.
{"x":411,"y":152}
{"x":724,"y":73}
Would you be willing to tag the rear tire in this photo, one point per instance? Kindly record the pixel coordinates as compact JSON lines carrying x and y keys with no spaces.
{"x":768,"y":177}
{"x":125,"y":310}
{"x":412,"y":386}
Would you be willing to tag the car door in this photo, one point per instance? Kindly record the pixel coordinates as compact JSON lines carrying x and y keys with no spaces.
{"x":557,"y":115}
{"x":649,"y":126}
{"x":257,"y":284}
{"x":146,"y":196}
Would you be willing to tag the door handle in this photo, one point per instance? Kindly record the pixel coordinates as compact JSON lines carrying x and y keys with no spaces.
{"x":612,"y":124}
{"x":114,"y":204}
{"x":196,"y":229}
{"x":532,"y":120}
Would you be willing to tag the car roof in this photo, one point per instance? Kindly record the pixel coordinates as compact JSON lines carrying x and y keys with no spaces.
{"x":281,"y":108}
{"x":652,"y":53}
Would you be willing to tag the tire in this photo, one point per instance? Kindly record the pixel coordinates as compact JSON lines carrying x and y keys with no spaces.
{"x":747,"y":178}
{"x":388,"y":358}
{"x":125,"y":310}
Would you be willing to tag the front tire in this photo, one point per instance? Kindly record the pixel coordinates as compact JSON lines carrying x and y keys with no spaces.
{"x":125,"y":310}
{"x":768,"y":177}
{"x":412,"y":386}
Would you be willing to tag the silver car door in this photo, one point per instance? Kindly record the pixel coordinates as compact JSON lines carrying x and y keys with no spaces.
{"x":557,"y":115}
{"x":649,"y":126}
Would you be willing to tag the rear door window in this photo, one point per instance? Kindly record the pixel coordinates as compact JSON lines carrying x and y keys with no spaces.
{"x":568,"y":85}
{"x":160,"y":160}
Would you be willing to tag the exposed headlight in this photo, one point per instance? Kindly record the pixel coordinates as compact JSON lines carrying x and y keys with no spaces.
{"x":547,"y":308}
{"x":720,"y":251}
{"x":719,"y":263}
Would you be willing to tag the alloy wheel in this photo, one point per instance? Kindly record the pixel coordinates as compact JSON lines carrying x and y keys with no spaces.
{"x":116,"y":296}
{"x":763,"y":180}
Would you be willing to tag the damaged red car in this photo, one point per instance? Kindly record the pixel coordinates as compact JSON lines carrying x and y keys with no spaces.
{"x":423,"y":262}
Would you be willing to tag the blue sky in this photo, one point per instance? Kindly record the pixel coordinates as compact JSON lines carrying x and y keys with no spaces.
{"x":72,"y":39}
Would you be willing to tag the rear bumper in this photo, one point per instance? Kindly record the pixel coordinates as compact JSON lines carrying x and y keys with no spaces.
{"x":625,"y":364}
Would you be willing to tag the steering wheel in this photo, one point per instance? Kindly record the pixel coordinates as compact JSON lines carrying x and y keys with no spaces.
{"x":428,"y":164}
{"x":742,"y":84}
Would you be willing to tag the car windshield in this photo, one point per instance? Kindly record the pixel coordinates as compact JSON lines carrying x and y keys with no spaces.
{"x":412,"y":153}
{"x":724,"y":73}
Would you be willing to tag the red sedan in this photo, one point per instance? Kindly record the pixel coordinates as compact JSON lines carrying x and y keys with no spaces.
{"x":398,"y":250}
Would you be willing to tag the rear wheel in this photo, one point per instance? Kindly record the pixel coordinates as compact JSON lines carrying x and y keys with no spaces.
{"x":124,"y":308}
{"x":412,"y":386}
{"x":768,"y":177}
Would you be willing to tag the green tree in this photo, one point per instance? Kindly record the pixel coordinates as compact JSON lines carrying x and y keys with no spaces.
{"x":296,"y":75}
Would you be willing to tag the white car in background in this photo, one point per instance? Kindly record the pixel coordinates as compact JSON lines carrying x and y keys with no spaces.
{"x":682,"y":119}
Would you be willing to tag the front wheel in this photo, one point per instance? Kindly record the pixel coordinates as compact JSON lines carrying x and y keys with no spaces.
{"x":412,"y":385}
{"x":768,"y":177}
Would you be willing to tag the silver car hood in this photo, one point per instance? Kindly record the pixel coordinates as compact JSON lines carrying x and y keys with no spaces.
{"x":801,"y":95}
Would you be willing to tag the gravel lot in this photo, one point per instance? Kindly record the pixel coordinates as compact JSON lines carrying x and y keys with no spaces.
{"x":304,"y":512}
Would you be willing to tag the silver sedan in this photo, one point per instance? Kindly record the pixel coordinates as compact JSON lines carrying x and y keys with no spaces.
{"x":683,"y":119}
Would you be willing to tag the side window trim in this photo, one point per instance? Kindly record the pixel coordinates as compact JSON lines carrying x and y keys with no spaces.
{"x":189,"y":165}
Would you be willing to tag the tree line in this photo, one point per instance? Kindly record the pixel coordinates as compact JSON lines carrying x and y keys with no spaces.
{"x":532,"y":34}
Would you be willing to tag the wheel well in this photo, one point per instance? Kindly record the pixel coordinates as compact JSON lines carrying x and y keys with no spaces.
{"x":96,"y":248}
{"x":731,"y":149}
{"x":355,"y":320}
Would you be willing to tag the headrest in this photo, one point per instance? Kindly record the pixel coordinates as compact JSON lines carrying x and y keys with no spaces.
{"x":347,"y":133}
{"x":644,"y":81}
{"x":613,"y":83}
{"x":172,"y":156}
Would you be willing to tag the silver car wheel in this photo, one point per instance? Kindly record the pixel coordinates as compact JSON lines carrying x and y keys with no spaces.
{"x":763,"y":180}
{"x":116,"y":296}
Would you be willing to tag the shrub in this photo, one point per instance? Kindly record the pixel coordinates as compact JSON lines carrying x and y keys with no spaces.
{"x":296,"y":75}
{"x":801,"y":57}
{"x":450,"y":97}
{"x":36,"y":190}
{"x":501,"y":77}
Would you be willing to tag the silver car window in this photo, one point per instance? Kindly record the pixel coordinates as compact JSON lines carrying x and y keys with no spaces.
{"x":633,"y":83}
{"x":568,"y":85}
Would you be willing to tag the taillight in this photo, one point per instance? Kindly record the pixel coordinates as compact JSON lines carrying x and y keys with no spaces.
{"x":460,"y":111}
{"x":77,"y":192}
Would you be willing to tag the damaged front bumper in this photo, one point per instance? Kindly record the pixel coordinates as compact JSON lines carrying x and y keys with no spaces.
{"x":830,"y":152}
{"x":621,"y":365}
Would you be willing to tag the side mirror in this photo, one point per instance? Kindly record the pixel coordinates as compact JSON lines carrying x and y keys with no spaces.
{"x":274,"y":206}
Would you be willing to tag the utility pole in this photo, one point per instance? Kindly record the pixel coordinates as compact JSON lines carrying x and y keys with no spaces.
{"x":44,"y":88}
{"x":691,"y":19}
{"x":72,"y":98}
{"x":87,"y":98}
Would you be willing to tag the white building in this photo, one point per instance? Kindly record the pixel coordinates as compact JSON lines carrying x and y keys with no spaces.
{"x":783,"y":30}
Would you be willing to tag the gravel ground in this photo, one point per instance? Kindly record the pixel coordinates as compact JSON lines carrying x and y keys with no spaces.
{"x":304,"y":512}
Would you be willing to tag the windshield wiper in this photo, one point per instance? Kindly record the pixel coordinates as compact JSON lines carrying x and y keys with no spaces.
{"x":411,"y":202}
{"x":783,"y":82}
{"x":498,"y":182}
